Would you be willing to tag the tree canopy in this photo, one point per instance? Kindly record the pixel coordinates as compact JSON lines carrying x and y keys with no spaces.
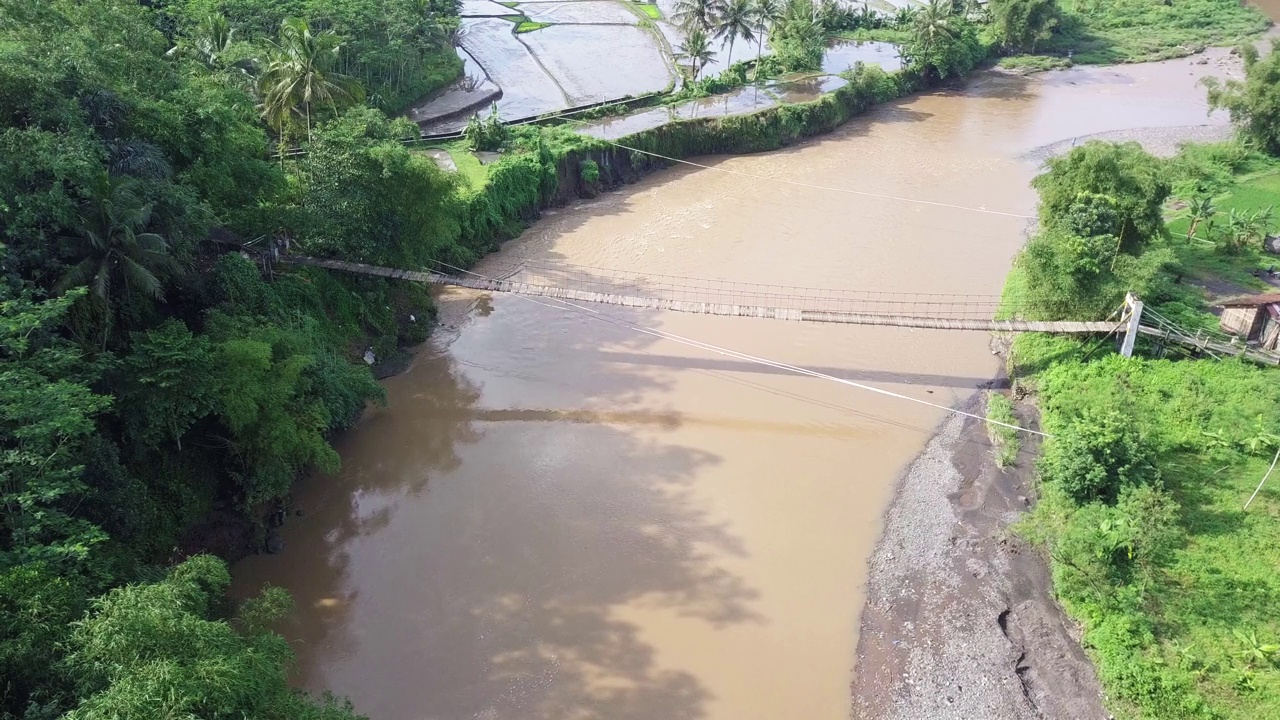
{"x":943,"y":42}
{"x":1254,"y":103}
{"x":161,"y":650}
{"x":1105,"y":188}
{"x":150,"y":376}
{"x":1022,"y":24}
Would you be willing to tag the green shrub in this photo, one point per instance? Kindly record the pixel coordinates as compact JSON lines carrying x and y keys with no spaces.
{"x":589,"y":172}
{"x":1006,"y":440}
{"x":485,"y":133}
{"x":798,"y":37}
{"x":1096,"y":456}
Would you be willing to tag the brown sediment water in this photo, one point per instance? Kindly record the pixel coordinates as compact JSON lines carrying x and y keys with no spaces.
{"x":558,"y":518}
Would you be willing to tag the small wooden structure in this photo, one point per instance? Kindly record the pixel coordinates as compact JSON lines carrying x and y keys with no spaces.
{"x":1254,"y":318}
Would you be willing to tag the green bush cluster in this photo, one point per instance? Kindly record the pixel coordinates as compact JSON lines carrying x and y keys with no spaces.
{"x":1140,"y":31}
{"x":1254,"y":103}
{"x":488,"y":133}
{"x":1100,"y":236}
{"x":778,"y":126}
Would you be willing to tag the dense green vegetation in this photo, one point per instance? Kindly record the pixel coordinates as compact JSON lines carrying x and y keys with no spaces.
{"x":1254,"y":103}
{"x":1109,"y":31}
{"x":157,"y":394}
{"x":1144,"y":480}
{"x":398,"y":50}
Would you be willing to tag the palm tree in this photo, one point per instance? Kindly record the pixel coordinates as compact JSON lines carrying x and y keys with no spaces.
{"x":765,"y":13}
{"x":696,"y":49}
{"x":736,"y":21}
{"x":697,"y":14}
{"x":298,"y":76}
{"x":111,"y":247}
{"x":931,"y":26}
{"x":209,"y":42}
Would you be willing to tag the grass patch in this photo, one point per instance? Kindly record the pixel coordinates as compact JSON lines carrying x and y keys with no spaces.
{"x":530,"y":26}
{"x":1116,"y":31}
{"x":1034,"y":63}
{"x":1203,"y":261}
{"x":469,"y":166}
{"x":889,"y":35}
{"x":1007,"y":444}
{"x":649,"y":9}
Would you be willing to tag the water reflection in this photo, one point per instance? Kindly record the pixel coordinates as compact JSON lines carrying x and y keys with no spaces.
{"x":842,"y":55}
{"x":506,"y":576}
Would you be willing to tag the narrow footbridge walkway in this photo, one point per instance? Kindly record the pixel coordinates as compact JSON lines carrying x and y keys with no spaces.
{"x":718,"y":297}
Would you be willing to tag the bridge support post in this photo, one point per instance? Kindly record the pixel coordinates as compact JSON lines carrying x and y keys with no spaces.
{"x":1133,"y":311}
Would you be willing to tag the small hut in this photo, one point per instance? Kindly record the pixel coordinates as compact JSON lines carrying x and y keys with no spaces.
{"x":1254,"y":318}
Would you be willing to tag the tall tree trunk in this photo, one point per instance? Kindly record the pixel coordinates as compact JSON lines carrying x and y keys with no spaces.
{"x":307,"y":105}
{"x":729,"y":61}
{"x":755,"y":70}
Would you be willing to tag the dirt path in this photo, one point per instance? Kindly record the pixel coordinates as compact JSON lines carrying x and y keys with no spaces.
{"x":959,"y":621}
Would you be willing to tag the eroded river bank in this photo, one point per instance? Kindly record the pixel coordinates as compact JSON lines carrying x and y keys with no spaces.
{"x":555,"y":517}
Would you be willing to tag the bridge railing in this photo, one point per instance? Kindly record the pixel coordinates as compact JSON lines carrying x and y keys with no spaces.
{"x":675,"y":288}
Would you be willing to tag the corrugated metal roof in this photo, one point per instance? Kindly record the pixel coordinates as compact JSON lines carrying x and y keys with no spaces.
{"x":1250,"y":300}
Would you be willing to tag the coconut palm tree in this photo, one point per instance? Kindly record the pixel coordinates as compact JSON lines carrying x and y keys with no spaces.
{"x":932,"y":25}
{"x":765,"y":13}
{"x":737,"y":20}
{"x":113,"y":252}
{"x":696,"y":49}
{"x":208,"y":43}
{"x":697,"y":14}
{"x":298,"y":76}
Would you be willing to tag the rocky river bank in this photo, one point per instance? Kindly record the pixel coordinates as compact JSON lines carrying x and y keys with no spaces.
{"x":960,"y":621}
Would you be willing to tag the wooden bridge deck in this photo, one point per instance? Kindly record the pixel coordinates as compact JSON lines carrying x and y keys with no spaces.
{"x":708,"y":308}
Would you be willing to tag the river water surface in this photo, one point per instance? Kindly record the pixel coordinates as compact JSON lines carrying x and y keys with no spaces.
{"x":557,"y":518}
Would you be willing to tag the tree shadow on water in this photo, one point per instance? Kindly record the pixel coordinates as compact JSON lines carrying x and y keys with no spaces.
{"x":440,"y":577}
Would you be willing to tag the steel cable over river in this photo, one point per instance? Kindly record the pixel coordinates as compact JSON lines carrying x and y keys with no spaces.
{"x":555,"y":518}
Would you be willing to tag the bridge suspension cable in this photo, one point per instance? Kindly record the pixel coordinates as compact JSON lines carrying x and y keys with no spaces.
{"x":715,"y":297}
{"x":727,"y":352}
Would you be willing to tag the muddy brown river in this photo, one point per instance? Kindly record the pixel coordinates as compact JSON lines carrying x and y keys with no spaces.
{"x":558,"y":518}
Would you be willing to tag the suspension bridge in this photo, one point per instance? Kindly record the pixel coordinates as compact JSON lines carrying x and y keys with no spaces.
{"x":936,"y":311}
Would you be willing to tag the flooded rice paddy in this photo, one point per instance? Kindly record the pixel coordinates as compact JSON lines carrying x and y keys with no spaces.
{"x":558,"y":518}
{"x":591,"y":51}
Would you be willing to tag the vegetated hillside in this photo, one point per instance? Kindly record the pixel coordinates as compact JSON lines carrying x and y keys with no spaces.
{"x":156,"y":392}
